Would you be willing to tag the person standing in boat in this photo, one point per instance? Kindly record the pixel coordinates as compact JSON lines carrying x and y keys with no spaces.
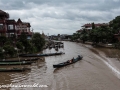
{"x":69,"y":61}
{"x":73,"y":59}
{"x":79,"y":56}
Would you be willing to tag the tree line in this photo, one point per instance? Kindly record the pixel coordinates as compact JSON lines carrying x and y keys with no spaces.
{"x":9,"y":47}
{"x":103,"y":34}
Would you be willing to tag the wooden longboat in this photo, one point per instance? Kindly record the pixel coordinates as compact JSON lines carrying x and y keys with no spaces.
{"x":21,"y":60}
{"x":17,"y":63}
{"x":40,"y":55}
{"x":68,"y":62}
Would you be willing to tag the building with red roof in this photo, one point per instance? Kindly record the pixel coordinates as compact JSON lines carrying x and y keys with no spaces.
{"x":7,"y":26}
{"x":23,"y":27}
{"x":89,"y":25}
{"x":10,"y":27}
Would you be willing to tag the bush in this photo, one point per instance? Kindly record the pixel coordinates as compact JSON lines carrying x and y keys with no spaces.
{"x":10,"y":51}
{"x":19,"y":45}
{"x":8,"y":43}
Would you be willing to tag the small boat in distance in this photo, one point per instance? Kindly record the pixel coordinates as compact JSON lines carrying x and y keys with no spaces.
{"x":68,"y":62}
{"x":41,"y":55}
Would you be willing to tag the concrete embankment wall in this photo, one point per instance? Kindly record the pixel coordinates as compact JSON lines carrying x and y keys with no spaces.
{"x":100,"y":44}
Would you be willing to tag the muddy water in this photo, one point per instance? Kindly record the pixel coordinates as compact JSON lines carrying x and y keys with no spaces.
{"x":97,"y":70}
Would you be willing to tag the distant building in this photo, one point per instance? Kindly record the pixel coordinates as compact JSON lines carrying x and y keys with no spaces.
{"x":23,"y":27}
{"x":65,"y":37}
{"x":10,"y":27}
{"x":53,"y":37}
{"x":89,"y":25}
{"x":7,"y":26}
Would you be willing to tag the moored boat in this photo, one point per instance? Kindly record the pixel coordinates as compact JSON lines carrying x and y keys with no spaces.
{"x":68,"y":62}
{"x":21,"y":60}
{"x":40,"y":55}
{"x":17,"y":63}
{"x":14,"y":69}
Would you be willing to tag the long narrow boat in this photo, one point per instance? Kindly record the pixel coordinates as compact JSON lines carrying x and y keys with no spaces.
{"x":68,"y":62}
{"x":17,"y":63}
{"x":14,"y":69}
{"x":21,"y":60}
{"x":40,"y":55}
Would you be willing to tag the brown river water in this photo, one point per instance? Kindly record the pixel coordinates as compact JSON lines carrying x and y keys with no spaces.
{"x":98,"y":70}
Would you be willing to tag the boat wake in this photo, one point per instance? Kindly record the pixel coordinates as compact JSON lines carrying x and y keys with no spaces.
{"x":107,"y":61}
{"x":114,"y":69}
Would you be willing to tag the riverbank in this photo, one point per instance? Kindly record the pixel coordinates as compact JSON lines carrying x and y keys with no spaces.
{"x":110,"y":56}
{"x":107,"y":45}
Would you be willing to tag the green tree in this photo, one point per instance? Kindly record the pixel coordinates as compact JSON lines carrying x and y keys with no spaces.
{"x":23,"y":38}
{"x":102,"y":34}
{"x":8,"y":43}
{"x":10,"y":51}
{"x":75,"y":36}
{"x":20,"y":46}
{"x":29,"y":48}
{"x":93,"y":35}
{"x":84,"y":35}
{"x":3,"y":39}
{"x":93,"y":25}
{"x":25,"y":42}
{"x":115,"y":25}
{"x":38,"y":41}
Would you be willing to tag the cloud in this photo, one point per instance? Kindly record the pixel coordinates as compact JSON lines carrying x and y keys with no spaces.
{"x":61,"y":16}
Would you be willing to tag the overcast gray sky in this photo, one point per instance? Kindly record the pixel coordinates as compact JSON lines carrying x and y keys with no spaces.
{"x":61,"y":16}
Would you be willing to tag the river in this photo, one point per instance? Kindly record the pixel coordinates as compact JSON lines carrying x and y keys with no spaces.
{"x":98,"y":70}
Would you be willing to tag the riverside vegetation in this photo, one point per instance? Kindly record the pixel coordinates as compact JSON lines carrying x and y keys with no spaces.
{"x":103,"y":34}
{"x":9,"y":47}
